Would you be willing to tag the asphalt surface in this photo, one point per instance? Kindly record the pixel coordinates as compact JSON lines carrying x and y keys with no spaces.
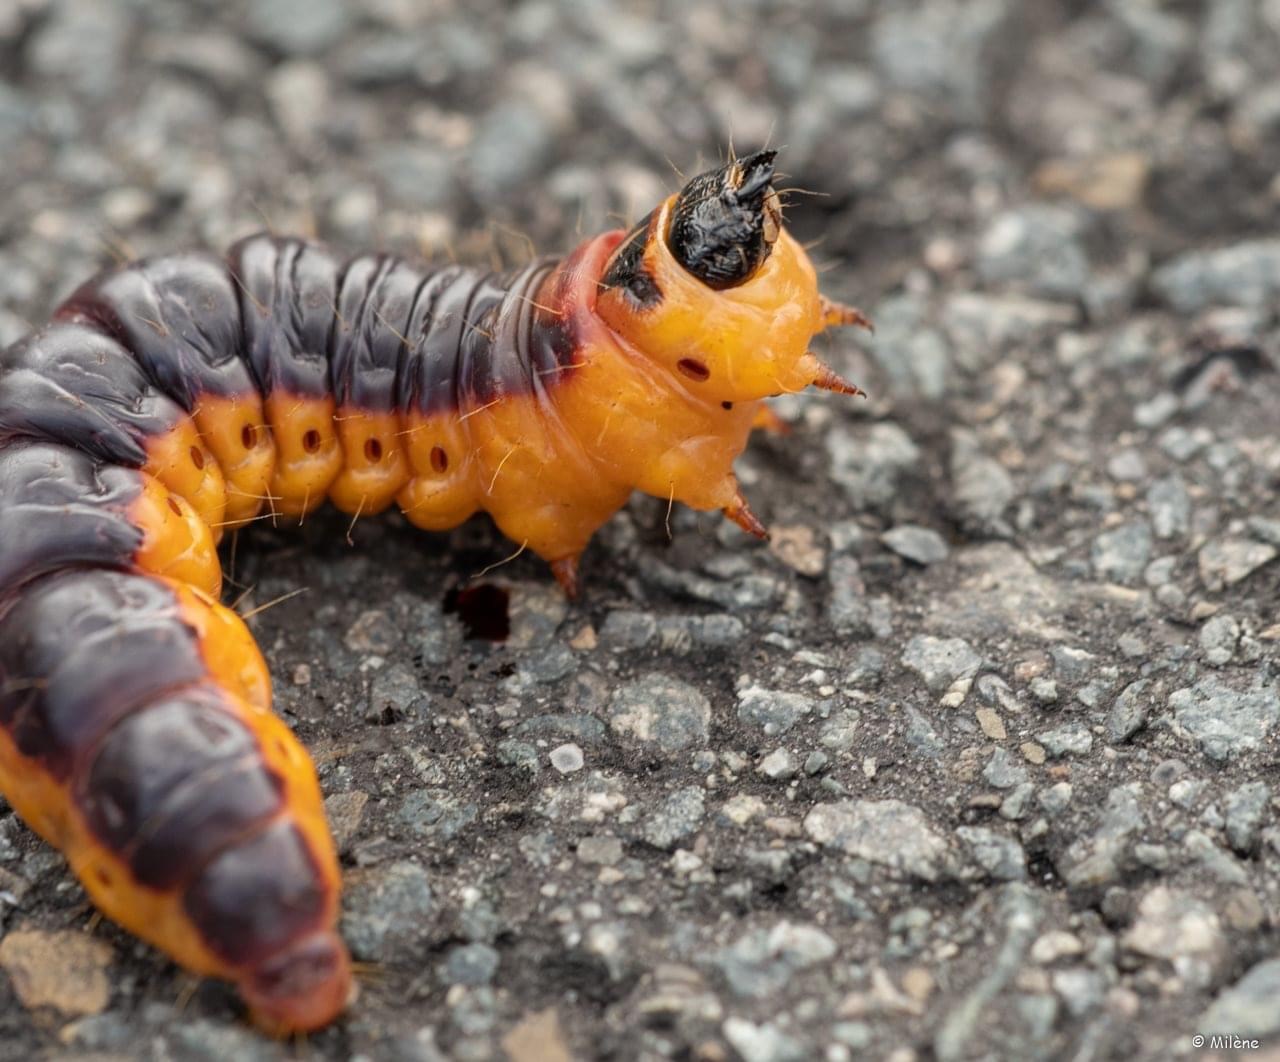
{"x":976,"y":759}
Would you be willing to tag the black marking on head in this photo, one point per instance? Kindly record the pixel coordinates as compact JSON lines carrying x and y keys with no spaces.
{"x":725,"y":221}
{"x":627,"y":271}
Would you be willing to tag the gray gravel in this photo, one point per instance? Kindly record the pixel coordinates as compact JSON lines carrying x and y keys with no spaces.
{"x":977,"y":758}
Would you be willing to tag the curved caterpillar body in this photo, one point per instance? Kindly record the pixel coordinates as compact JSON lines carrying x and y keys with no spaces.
{"x":176,"y":397}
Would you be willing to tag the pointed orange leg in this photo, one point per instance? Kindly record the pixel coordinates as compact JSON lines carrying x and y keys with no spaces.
{"x":740,"y":513}
{"x":768,"y":420}
{"x":566,"y":572}
{"x":830,"y":380}
{"x":835,"y":314}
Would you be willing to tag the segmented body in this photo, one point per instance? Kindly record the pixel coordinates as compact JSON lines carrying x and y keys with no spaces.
{"x":177,"y":397}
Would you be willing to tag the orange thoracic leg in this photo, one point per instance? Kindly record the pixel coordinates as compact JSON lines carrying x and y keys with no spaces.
{"x":837,"y":314}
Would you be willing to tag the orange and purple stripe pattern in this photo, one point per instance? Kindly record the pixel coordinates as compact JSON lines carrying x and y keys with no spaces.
{"x":176,"y":397}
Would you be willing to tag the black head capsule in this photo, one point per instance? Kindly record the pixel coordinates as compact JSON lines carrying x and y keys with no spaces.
{"x":724,"y":223}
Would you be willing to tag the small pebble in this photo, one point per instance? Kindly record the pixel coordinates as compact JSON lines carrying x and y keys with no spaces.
{"x":567,"y":758}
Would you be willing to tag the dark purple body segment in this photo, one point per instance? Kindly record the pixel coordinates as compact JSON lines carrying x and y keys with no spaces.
{"x":375,"y":332}
{"x":257,"y":896}
{"x":368,"y":345}
{"x":383,"y":334}
{"x":180,"y":317}
{"x":288,"y":291}
{"x":71,"y":384}
{"x":59,"y":508}
{"x":82,"y":649}
{"x":513,"y":349}
{"x":174,"y":784}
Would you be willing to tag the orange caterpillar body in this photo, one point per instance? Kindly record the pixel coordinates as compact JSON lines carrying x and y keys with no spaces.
{"x":176,"y":397}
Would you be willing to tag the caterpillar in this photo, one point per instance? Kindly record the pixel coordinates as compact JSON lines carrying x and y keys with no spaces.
{"x":177,"y":397}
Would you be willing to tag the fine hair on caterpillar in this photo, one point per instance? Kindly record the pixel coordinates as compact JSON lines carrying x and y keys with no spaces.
{"x":176,"y":398}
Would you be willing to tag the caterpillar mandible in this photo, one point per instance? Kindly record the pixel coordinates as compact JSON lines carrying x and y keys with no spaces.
{"x":173,"y":398}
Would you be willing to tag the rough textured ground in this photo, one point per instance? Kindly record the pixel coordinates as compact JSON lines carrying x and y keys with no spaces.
{"x":978,"y":758}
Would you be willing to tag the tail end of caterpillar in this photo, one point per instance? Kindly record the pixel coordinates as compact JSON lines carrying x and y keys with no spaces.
{"x":302,"y":989}
{"x":837,"y":315}
{"x":566,"y":572}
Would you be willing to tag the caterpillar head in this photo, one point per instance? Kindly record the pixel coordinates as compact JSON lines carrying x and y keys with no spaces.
{"x":725,"y":222}
{"x":712,"y":286}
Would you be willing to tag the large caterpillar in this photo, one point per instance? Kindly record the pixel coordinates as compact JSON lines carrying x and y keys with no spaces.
{"x":176,"y":397}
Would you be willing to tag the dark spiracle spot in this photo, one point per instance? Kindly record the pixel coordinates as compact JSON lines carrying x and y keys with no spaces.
{"x":174,"y":507}
{"x":482,"y":610}
{"x":439,"y":460}
{"x":249,"y":436}
{"x":197,"y":458}
{"x":726,"y":405}
{"x":373,"y":450}
{"x":311,"y":441}
{"x":693,"y":369}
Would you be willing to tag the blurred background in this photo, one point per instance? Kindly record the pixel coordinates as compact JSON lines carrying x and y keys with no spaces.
{"x":427,"y":124}
{"x":976,"y":758}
